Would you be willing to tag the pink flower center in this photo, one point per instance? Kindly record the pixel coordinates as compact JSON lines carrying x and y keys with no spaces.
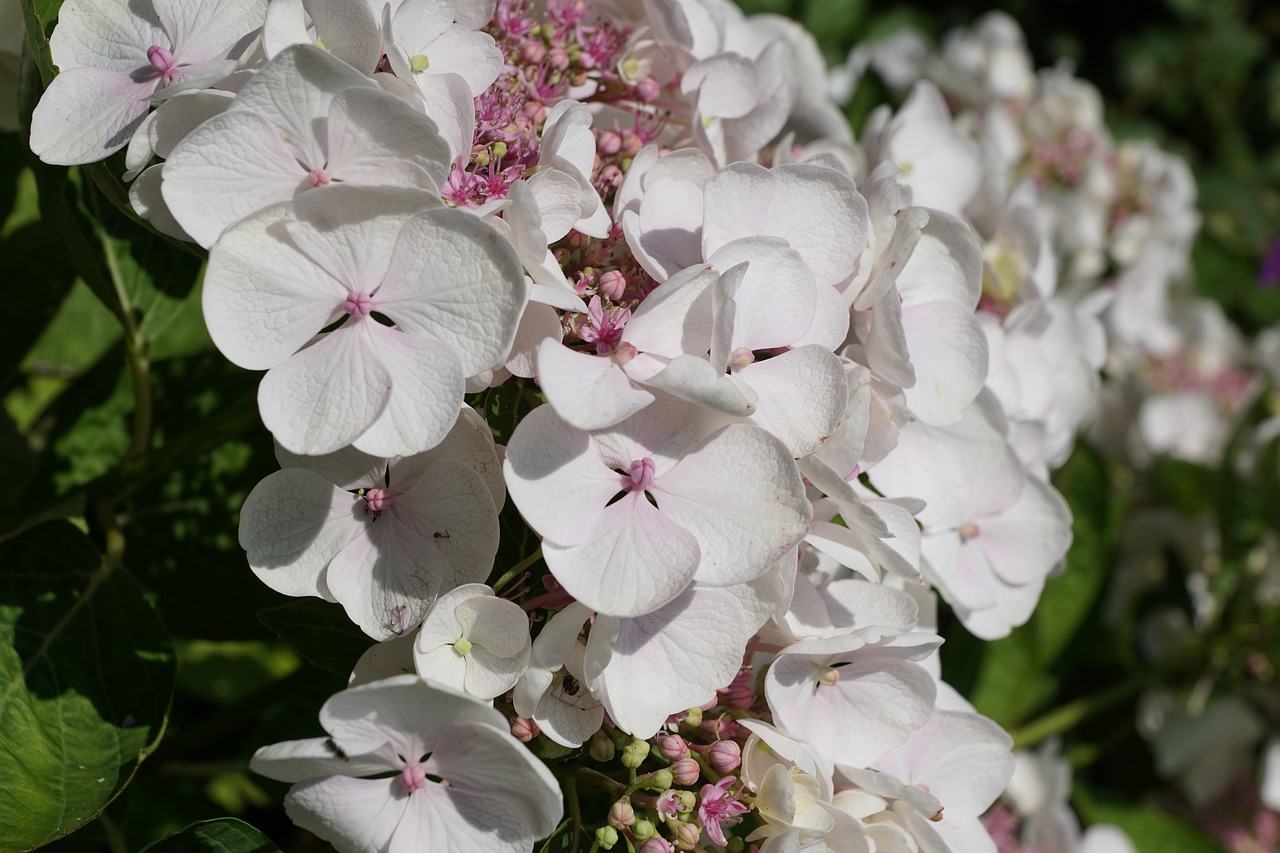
{"x":319,"y":178}
{"x":641,"y":475}
{"x":161,"y":59}
{"x":359,"y":304}
{"x":377,"y":500}
{"x":741,"y":358}
{"x":968,"y":531}
{"x":413,"y":777}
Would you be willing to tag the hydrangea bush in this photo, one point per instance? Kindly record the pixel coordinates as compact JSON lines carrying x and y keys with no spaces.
{"x":638,"y":430}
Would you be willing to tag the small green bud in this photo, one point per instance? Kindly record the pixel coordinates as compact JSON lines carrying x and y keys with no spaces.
{"x":499,"y":150}
{"x":634,"y":753}
{"x":736,"y":845}
{"x":659,"y":781}
{"x":643,"y":830}
{"x":606,"y":837}
{"x":602,"y":748}
{"x":686,"y":801}
{"x":692,"y":717}
{"x":621,"y":814}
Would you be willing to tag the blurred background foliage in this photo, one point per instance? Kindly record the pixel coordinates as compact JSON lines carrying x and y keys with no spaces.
{"x":119,"y":414}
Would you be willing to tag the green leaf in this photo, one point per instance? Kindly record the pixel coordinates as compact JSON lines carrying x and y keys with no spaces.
{"x":563,"y":840}
{"x":318,"y":631}
{"x":1011,"y":682}
{"x":223,"y":835}
{"x":1149,"y":827}
{"x":86,"y":676}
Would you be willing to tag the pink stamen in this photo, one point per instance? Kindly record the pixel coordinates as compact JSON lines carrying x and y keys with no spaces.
{"x":359,"y":304}
{"x":319,"y":178}
{"x":413,"y":777}
{"x":641,"y":475}
{"x":161,"y":59}
{"x":378,"y":500}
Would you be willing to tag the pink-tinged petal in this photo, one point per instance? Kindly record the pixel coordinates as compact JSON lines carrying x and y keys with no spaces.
{"x":587,"y":391}
{"x":949,"y":353}
{"x":323,"y":397}
{"x":945,"y":264}
{"x":499,"y":797}
{"x":113,"y":35}
{"x":352,"y":814}
{"x":177,"y":117}
{"x":702,"y":635}
{"x":556,"y":477}
{"x":960,"y":572}
{"x":263,"y":299}
{"x":231,"y":166}
{"x":636,"y":561}
{"x":292,"y":524}
{"x":675,"y":318}
{"x":800,"y":396}
{"x":87,"y":114}
{"x":727,"y":85}
{"x":669,"y":224}
{"x":385,"y":579}
{"x":567,"y":133}
{"x":368,"y":127}
{"x":351,"y":231}
{"x":885,"y":343}
{"x":655,"y":432}
{"x":1027,"y":540}
{"x":831,"y":321}
{"x":558,"y":195}
{"x":409,"y":715}
{"x":740,"y":494}
{"x":858,"y":604}
{"x":426,"y":391}
{"x":456,"y":279}
{"x":205,"y":30}
{"x":470,"y":442}
{"x":294,"y":91}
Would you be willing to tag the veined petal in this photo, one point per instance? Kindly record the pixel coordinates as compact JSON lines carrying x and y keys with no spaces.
{"x":87,"y":114}
{"x":325,"y":396}
{"x":587,"y":391}
{"x":354,"y":815}
{"x":636,"y":561}
{"x":426,"y":391}
{"x":367,"y":128}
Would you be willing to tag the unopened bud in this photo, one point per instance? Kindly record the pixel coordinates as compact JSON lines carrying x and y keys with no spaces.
{"x":634,"y":753}
{"x":612,"y":285}
{"x":659,"y":780}
{"x":654,"y":845}
{"x":724,"y":756}
{"x":692,"y":717}
{"x":621,"y":814}
{"x":602,"y":748}
{"x":643,"y":829}
{"x":606,"y":837}
{"x":523,"y":729}
{"x":685,"y":801}
{"x":686,"y":835}
{"x":685,"y":772}
{"x":830,"y":677}
{"x":736,"y":845}
{"x":558,"y":58}
{"x":672,"y":747}
{"x":609,"y":142}
{"x":648,"y":90}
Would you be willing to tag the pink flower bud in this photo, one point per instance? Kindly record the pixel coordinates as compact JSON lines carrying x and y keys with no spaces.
{"x":655,"y":845}
{"x":612,"y":284}
{"x":724,"y":756}
{"x":533,"y":51}
{"x":558,"y":58}
{"x":621,"y":814}
{"x":524,"y":730}
{"x":631,"y":143}
{"x":686,"y":835}
{"x":609,"y":142}
{"x":672,"y":747}
{"x":685,"y":772}
{"x":648,"y":90}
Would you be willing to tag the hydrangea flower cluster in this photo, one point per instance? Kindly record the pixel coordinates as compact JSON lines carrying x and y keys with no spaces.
{"x":776,"y":390}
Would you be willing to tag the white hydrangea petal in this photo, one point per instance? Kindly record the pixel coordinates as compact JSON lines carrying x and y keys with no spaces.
{"x":426,"y":391}
{"x":346,"y":28}
{"x":352,"y":814}
{"x":675,"y":318}
{"x":347,"y":468}
{"x":87,"y":114}
{"x":109,"y":35}
{"x":739,"y":493}
{"x":444,"y":667}
{"x":231,"y":166}
{"x":450,"y":508}
{"x":694,"y":380}
{"x":949,"y":353}
{"x":587,"y":391}
{"x":369,"y":130}
{"x":800,"y":396}
{"x":1027,"y":540}
{"x":292,"y":524}
{"x":324,"y":397}
{"x":472,"y":55}
{"x":637,"y":560}
{"x":474,"y":14}
{"x":205,"y":30}
{"x":263,"y":299}
{"x":147,"y":198}
{"x":556,"y":477}
{"x":456,"y":279}
{"x":500,"y":797}
{"x":946,"y":263}
{"x":296,"y":760}
{"x":775,"y":299}
{"x":448,"y":102}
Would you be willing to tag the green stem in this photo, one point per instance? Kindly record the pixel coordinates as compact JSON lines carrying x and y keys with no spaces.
{"x":515,"y":572}
{"x":116,"y":842}
{"x":1071,"y":714}
{"x":575,"y":808}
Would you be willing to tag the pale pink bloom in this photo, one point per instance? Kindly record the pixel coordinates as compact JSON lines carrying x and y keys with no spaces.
{"x":554,"y":691}
{"x":447,"y":774}
{"x":115,"y":55}
{"x":450,"y":285}
{"x":473,"y":642}
{"x":718,"y":808}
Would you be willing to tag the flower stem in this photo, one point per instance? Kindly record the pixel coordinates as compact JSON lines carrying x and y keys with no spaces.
{"x":514,"y":572}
